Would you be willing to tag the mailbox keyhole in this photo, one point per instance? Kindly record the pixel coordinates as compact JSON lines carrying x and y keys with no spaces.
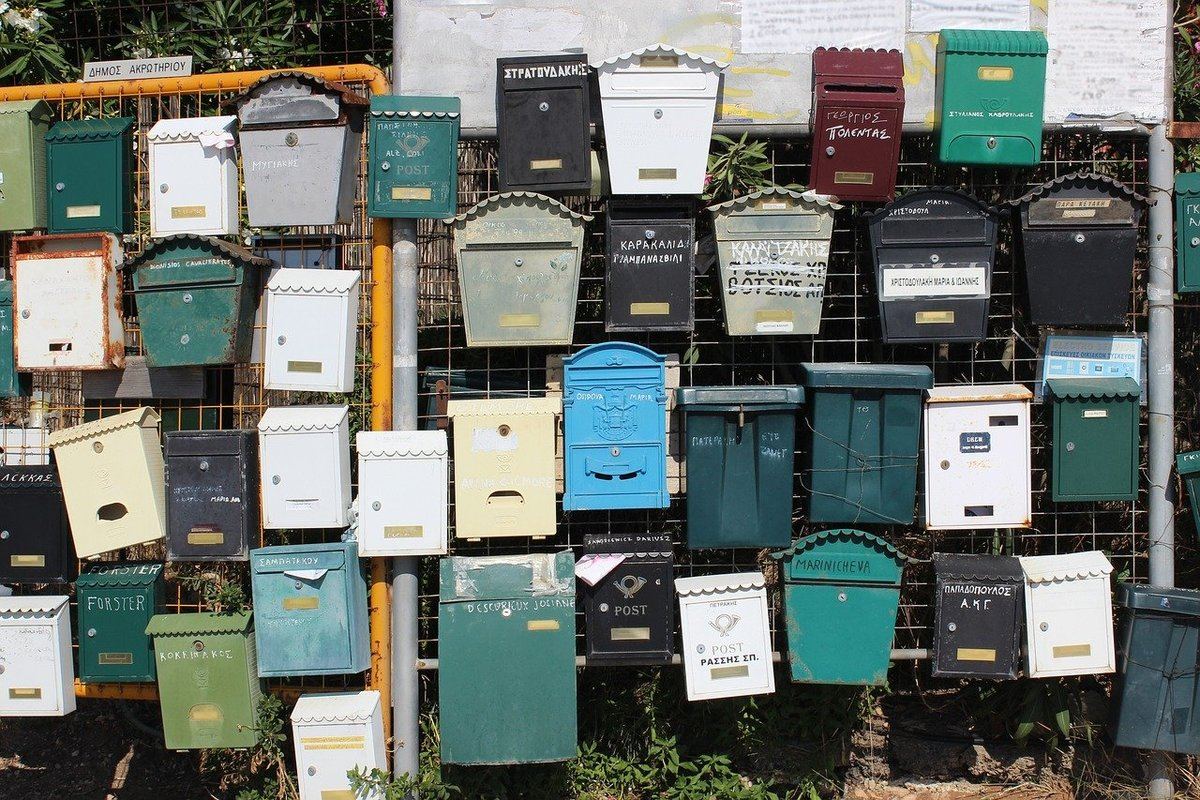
{"x":543,"y":106}
{"x":991,"y":143}
{"x":91,"y":633}
{"x":112,"y":512}
{"x":5,"y":534}
{"x":945,"y":464}
{"x":504,"y":430}
{"x":1045,"y":626}
{"x":952,"y":627}
{"x":60,"y":186}
{"x":198,"y":645}
{"x":204,"y":466}
{"x":312,"y":771}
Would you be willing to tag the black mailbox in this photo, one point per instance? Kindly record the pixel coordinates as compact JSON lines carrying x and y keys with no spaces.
{"x":933,"y":251}
{"x":544,"y":117}
{"x":630,"y":612}
{"x":35,"y":539}
{"x":651,"y":266}
{"x":1078,"y":238}
{"x":977,"y":616}
{"x":212,"y":494}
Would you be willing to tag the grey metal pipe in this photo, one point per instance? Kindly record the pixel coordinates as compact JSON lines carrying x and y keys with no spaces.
{"x":803,"y":129}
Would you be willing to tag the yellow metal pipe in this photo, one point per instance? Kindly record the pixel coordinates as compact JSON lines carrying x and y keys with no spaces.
{"x":149,"y":691}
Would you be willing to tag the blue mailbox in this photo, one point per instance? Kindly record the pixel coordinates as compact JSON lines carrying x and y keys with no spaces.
{"x":615,"y":428}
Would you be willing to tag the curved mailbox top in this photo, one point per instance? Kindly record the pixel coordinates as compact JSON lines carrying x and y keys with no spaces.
{"x":931,"y":210}
{"x":607,"y":361}
{"x":843,"y":555}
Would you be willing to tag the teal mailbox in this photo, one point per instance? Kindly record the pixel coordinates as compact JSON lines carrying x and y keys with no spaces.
{"x":1188,"y":467}
{"x":413,"y":171}
{"x":88,"y":167}
{"x":11,"y":383}
{"x":116,"y":603}
{"x":1187,"y":232}
{"x":841,"y":591}
{"x":310,"y":609}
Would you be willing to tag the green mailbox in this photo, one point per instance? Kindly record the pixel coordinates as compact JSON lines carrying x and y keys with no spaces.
{"x":88,"y":169}
{"x":841,"y":592}
{"x":1188,"y":467}
{"x":1187,"y":232}
{"x":23,"y":126}
{"x":865,"y":424}
{"x":116,"y":603}
{"x":12,"y":384}
{"x":1095,"y":451}
{"x":991,"y":89}
{"x":413,"y":164}
{"x":741,"y":446}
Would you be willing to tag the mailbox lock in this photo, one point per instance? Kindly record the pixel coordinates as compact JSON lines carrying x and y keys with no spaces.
{"x":506,"y":612}
{"x":91,"y":633}
{"x":98,"y":447}
{"x":187,"y":297}
{"x":298,"y":585}
{"x":650,"y":234}
{"x":945,"y":464}
{"x":376,"y":505}
{"x":518,"y":262}
{"x":935,"y":258}
{"x":1045,"y":626}
{"x":1080,"y":238}
{"x":312,"y":771}
{"x":385,"y":166}
{"x":616,"y":451}
{"x":1070,"y":447}
{"x":60,"y":186}
{"x":4,"y":534}
{"x":275,"y":480}
{"x":543,"y":106}
{"x":282,"y":340}
{"x":841,"y":597}
{"x":1,"y":669}
{"x":604,"y":608}
{"x":774,"y":256}
{"x":204,"y":466}
{"x":1196,"y":241}
{"x":658,"y":113}
{"x":504,"y":430}
{"x":184,"y":339}
{"x":830,"y":150}
{"x":25,"y":314}
{"x":952,"y":627}
{"x":198,"y":646}
{"x":991,"y":143}
{"x":291,"y":140}
{"x":162,"y":188}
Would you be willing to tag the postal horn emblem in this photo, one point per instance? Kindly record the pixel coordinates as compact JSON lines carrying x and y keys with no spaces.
{"x":724,"y":623}
{"x":413,"y":144}
{"x":630,"y":585}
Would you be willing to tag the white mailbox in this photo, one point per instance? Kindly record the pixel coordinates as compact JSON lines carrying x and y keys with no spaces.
{"x":402,"y":493}
{"x":1068,"y":615}
{"x":658,"y":105}
{"x":37,"y":673}
{"x":193,"y":176}
{"x":312,"y":322}
{"x":334,"y":734}
{"x":24,"y":447}
{"x":304,"y":455}
{"x":726,"y":636}
{"x":977,"y":471}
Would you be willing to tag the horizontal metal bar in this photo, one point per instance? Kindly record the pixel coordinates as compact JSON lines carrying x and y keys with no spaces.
{"x":582,"y":661}
{"x":803,"y":129}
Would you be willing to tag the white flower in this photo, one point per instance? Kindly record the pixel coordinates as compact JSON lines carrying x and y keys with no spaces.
{"x":17,"y":19}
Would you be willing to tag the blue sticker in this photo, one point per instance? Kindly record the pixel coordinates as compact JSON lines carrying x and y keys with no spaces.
{"x":975,"y":442}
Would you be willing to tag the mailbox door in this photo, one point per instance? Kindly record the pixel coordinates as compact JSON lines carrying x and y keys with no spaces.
{"x":306,"y":342}
{"x":413,"y":173}
{"x":600,"y":470}
{"x":726,"y":645}
{"x":30,"y":655}
{"x":302,"y":485}
{"x":658,"y":144}
{"x":856,"y":148}
{"x":1096,"y":449}
{"x":208,"y":701}
{"x":1187,"y":232}
{"x":38,"y":547}
{"x":326,"y":754}
{"x":976,"y":628}
{"x":651,"y":274}
{"x":302,"y":622}
{"x":402,"y":505}
{"x":521,"y":296}
{"x":630,"y":612}
{"x":1070,"y":628}
{"x":840,"y":633}
{"x":113,"y":645}
{"x":295,"y":174}
{"x":193,"y":311}
{"x":212,"y":496}
{"x":540,"y":145}
{"x":64,"y":306}
{"x":86,"y":183}
{"x":191,"y":189}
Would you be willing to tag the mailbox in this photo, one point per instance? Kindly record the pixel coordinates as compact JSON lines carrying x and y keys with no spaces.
{"x":933,"y":251}
{"x":23,"y":127}
{"x":658,"y":105}
{"x":1188,"y":467}
{"x":37,"y":678}
{"x":977,"y":616}
{"x":506,"y":659}
{"x":651,"y":273}
{"x":335,"y":733}
{"x":312,"y":327}
{"x":741,"y":446}
{"x":630,"y":611}
{"x":402,"y":493}
{"x":858,"y":117}
{"x":518,"y":269}
{"x":88,"y":167}
{"x":865,"y":423}
{"x":67,"y":302}
{"x":413,"y":164}
{"x":726,"y":635}
{"x":212,"y":494}
{"x":1078,"y":236}
{"x":195,"y":301}
{"x":12,"y":384}
{"x":1187,"y":232}
{"x":207,"y":687}
{"x":193,"y":176}
{"x":35,"y":540}
{"x":977,"y":468}
{"x":1095,"y":454}
{"x":614,"y":428}
{"x":294,"y":251}
{"x":544,"y":117}
{"x":310,"y":609}
{"x":991,"y":88}
{"x":305,"y":466}
{"x":116,"y":603}
{"x":1068,"y":615}
{"x":504,"y":466}
{"x":112,"y":478}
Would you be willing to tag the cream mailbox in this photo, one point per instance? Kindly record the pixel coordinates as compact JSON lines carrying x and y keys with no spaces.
{"x":334,"y":734}
{"x":312,"y":318}
{"x":726,"y":635}
{"x":37,"y":673}
{"x":1068,"y":615}
{"x":193,"y":176}
{"x":305,"y":466}
{"x":402,"y":493}
{"x":658,"y":105}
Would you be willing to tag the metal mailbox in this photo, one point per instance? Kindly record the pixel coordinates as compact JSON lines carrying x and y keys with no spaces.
{"x":630,"y":611}
{"x":23,"y":127}
{"x":335,"y":733}
{"x":858,"y":117}
{"x":651,"y":274}
{"x":990,"y":94}
{"x":977,"y":616}
{"x":658,"y":105}
{"x":1187,"y":232}
{"x":212,"y":485}
{"x":1078,"y":236}
{"x":741,"y":447}
{"x":193,"y":176}
{"x":402,"y":493}
{"x":865,"y":422}
{"x":726,"y":634}
{"x":116,"y":602}
{"x":37,"y":678}
{"x":1188,"y":467}
{"x":88,"y":167}
{"x":304,"y":462}
{"x":1095,"y":453}
{"x":977,"y":462}
{"x":35,"y":539}
{"x":208,"y":689}
{"x":291,"y":251}
{"x":1068,"y":615}
{"x":413,"y":164}
{"x":518,"y":269}
{"x":544,"y":121}
{"x":506,"y":659}
{"x":12,"y":384}
{"x":112,"y":478}
{"x":67,"y":302}
{"x":312,"y":327}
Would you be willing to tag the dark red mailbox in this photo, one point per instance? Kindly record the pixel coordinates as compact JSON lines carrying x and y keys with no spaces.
{"x":858,"y":116}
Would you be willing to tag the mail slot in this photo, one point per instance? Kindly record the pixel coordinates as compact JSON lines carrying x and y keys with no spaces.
{"x":312,"y":327}
{"x":305,"y":466}
{"x":23,"y":128}
{"x":544,"y":117}
{"x":38,"y":679}
{"x":193,"y":176}
{"x":773,"y":247}
{"x":518,"y":269}
{"x":12,"y":384}
{"x":979,"y":607}
{"x":741,"y":448}
{"x":335,"y":733}
{"x":933,"y":251}
{"x":402,"y":492}
{"x":1068,"y":615}
{"x":506,"y":659}
{"x":991,"y":88}
{"x":1187,"y":232}
{"x":864,"y":421}
{"x":858,"y":117}
{"x":1188,"y":467}
{"x":1078,"y":237}
{"x":413,"y":164}
{"x":35,"y":539}
{"x":651,"y":274}
{"x":88,"y":168}
{"x":116,"y":602}
{"x":726,"y":634}
{"x":212,"y":486}
{"x":629,"y":605}
{"x":1096,"y":438}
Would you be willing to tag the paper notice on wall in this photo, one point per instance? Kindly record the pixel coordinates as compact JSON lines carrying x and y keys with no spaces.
{"x":801,"y":26}
{"x":927,"y":16}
